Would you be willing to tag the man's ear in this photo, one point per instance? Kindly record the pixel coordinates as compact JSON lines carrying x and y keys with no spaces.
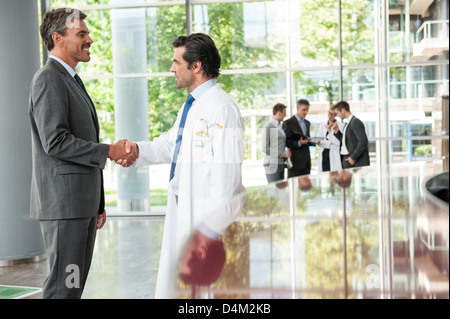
{"x":200,"y":251}
{"x":197,"y":66}
{"x":57,"y":38}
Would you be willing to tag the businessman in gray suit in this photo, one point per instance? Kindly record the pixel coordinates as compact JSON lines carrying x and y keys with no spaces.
{"x":67,"y":195}
{"x":354,"y":143}
{"x":273,"y":143}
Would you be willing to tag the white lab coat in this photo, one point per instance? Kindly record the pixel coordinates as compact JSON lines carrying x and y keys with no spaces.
{"x":331,"y":142}
{"x":207,"y":179}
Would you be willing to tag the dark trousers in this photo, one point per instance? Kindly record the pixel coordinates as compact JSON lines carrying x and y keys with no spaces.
{"x":275,"y":176}
{"x":326,"y":160}
{"x":298,"y":172}
{"x":69,"y":244}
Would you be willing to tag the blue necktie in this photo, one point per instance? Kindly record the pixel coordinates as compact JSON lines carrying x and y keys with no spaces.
{"x":187,"y":107}
{"x":80,"y":83}
{"x":303,"y":126}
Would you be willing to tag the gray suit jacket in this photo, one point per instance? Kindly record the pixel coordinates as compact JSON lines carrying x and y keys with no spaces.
{"x":273,"y":143}
{"x":357,"y":142}
{"x":67,"y":180}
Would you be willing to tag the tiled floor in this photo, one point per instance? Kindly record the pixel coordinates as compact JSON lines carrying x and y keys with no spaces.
{"x":124,"y":266}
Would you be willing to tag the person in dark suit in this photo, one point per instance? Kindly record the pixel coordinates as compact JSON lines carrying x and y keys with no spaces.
{"x":298,"y":140}
{"x":354,"y":143}
{"x":67,"y":194}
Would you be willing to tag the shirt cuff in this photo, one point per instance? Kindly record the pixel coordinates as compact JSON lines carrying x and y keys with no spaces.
{"x":208,"y":232}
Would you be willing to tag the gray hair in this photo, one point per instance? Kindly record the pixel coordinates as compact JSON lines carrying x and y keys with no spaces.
{"x":58,"y":20}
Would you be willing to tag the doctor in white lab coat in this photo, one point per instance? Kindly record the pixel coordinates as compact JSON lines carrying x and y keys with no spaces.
{"x":206,"y":190}
{"x":329,"y":144}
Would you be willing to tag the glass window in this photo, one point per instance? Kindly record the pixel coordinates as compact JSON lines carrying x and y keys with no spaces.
{"x":101,"y":92}
{"x":359,"y":86}
{"x":75,"y":3}
{"x":320,"y":87}
{"x":164,"y":103}
{"x":418,"y":83}
{"x":418,"y":30}
{"x":164,"y":24}
{"x":255,"y":90}
{"x":358,"y":34}
{"x":314,"y":38}
{"x":249,"y":35}
{"x":278,"y":52}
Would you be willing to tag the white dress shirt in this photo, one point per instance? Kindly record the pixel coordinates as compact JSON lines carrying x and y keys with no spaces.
{"x":344,"y":150}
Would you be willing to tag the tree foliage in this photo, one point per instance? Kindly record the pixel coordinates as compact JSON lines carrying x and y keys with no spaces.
{"x":319,"y":36}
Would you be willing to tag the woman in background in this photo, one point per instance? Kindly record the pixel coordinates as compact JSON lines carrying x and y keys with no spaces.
{"x":329,"y":156}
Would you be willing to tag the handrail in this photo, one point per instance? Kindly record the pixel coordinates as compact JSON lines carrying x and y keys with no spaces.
{"x":426,"y":27}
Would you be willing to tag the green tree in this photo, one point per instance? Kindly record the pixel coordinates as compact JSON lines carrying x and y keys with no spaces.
{"x":319,"y":37}
{"x":164,"y":99}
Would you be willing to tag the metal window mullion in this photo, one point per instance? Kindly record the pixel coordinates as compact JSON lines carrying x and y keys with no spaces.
{"x":341,"y":89}
{"x":44,"y":5}
{"x":188,"y":17}
{"x":130,"y":5}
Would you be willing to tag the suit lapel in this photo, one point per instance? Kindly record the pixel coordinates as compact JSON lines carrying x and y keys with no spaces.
{"x":299,"y":128}
{"x":74,"y":85}
{"x":351,"y":120}
{"x":349,"y":124}
{"x":85,"y":96}
{"x":296,"y":124}
{"x":349,"y":129}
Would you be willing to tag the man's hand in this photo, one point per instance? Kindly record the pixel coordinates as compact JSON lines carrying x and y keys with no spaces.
{"x":350,"y":160}
{"x":287,"y":153}
{"x":119,"y":154}
{"x":101,"y":219}
{"x":130,"y":148}
{"x":303,"y":141}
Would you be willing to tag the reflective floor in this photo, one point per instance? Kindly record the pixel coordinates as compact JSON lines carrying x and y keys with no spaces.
{"x":124,"y":266}
{"x":363,"y":233}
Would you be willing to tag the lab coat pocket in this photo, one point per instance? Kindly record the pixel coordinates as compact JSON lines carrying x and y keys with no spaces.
{"x":201,"y":149}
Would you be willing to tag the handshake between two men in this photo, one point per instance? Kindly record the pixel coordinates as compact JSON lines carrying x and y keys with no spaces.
{"x":124,"y":153}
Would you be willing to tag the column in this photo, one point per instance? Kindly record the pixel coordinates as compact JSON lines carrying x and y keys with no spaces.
{"x":20,"y":236}
{"x":131,"y":99}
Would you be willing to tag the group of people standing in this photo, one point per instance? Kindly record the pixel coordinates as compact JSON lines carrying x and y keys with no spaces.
{"x":343,"y":144}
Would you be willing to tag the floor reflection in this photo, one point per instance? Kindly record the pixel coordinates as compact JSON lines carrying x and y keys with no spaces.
{"x":126,"y":259}
{"x":330,"y":237}
{"x":362,"y":233}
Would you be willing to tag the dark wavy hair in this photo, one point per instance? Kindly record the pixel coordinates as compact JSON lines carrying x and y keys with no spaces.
{"x":342,"y":105}
{"x":200,"y":47}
